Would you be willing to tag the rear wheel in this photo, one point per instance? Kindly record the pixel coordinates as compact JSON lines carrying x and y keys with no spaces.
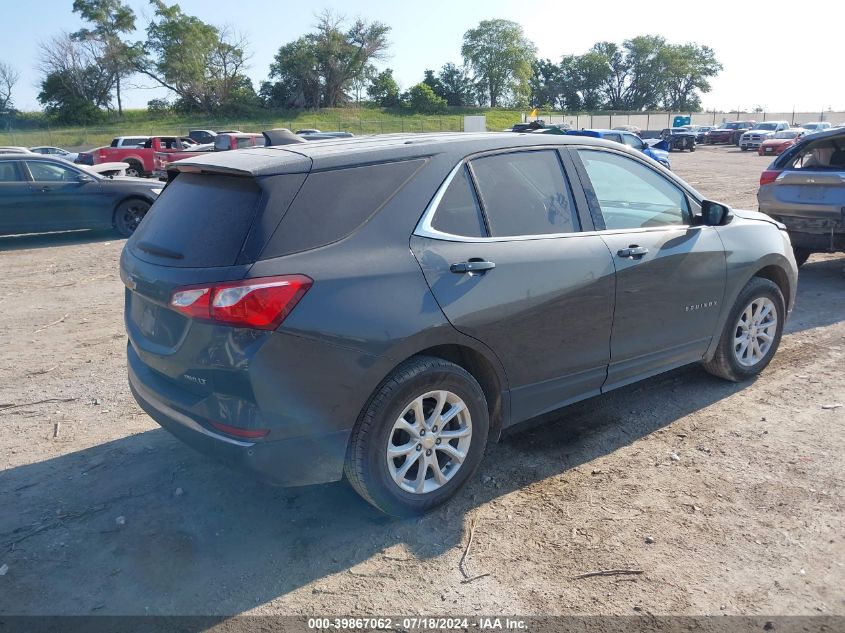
{"x":129,"y":214}
{"x":801,"y":255}
{"x":135,"y":169}
{"x":752,"y":332}
{"x":420,"y":438}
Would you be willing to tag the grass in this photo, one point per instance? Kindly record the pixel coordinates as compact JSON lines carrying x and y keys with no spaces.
{"x":356,"y":120}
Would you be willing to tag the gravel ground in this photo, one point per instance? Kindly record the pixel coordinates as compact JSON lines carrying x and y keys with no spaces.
{"x":728,"y":497}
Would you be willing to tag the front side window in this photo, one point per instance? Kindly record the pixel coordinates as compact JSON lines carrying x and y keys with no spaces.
{"x":633,"y":141}
{"x":50,"y":172}
{"x":631,"y":195}
{"x":525,"y":193}
{"x":459,"y":212}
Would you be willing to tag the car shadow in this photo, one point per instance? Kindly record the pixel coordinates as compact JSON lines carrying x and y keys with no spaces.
{"x":821,"y":293}
{"x":63,"y":238}
{"x":144,"y":525}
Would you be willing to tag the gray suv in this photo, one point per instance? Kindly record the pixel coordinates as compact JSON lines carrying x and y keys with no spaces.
{"x":379,"y":308}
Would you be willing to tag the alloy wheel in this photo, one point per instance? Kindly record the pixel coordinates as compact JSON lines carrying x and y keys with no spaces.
{"x":429,"y":442}
{"x":755,"y":331}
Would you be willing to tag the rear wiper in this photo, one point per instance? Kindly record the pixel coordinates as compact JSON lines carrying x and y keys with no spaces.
{"x":152,"y":249}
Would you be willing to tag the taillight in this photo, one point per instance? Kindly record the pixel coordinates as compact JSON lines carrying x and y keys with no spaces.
{"x":769,"y":176}
{"x":250,"y":434}
{"x":261,"y":303}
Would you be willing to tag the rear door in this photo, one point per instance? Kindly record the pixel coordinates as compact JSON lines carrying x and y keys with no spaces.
{"x":670,"y":275}
{"x":503,"y":248}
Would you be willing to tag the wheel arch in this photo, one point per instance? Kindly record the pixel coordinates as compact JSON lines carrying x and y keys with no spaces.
{"x":778,"y":276}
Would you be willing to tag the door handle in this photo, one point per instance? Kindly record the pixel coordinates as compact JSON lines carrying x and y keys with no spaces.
{"x":472,"y":266}
{"x":46,"y":189}
{"x":632,"y":251}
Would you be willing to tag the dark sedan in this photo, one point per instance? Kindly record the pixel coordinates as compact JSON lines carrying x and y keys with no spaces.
{"x":40,"y":194}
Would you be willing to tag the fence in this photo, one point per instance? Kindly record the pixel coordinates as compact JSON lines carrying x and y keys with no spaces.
{"x":661,"y":120}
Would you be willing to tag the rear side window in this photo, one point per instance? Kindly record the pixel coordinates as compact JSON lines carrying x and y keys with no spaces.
{"x":525,"y":193}
{"x":9,"y":172}
{"x":199,"y":220}
{"x":459,"y":212}
{"x":333,"y":204}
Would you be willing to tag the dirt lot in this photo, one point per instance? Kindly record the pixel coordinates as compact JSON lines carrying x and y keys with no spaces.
{"x":103,"y":512}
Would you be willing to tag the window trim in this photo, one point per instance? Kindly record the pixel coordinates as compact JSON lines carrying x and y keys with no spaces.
{"x":568,"y":154}
{"x":424,"y":227}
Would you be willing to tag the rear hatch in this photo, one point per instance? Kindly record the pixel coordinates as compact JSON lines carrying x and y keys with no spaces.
{"x":206,"y":226}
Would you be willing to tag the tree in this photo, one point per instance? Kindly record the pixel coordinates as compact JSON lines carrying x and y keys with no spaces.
{"x":646,"y":72}
{"x":202,"y":64}
{"x":688,"y":68}
{"x":421,"y":98}
{"x":546,"y":85}
{"x":76,"y":87}
{"x":500,"y":57}
{"x":384,"y":90}
{"x":110,"y":20}
{"x":433,"y":82}
{"x":458,"y":88}
{"x":615,"y":81}
{"x":320,"y":68}
{"x":8,"y":78}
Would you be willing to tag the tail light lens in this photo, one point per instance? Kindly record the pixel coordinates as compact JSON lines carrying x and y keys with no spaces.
{"x":261,"y":303}
{"x":249,"y":434}
{"x":769,"y":176}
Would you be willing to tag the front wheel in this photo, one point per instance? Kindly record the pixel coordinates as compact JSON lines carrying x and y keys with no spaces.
{"x":420,"y":438}
{"x":752,"y":332}
{"x":129,"y":214}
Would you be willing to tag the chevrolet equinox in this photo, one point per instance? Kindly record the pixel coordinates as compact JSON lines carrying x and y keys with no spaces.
{"x":379,"y":308}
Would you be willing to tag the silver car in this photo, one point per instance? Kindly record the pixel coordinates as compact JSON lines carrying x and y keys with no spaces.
{"x":804,"y":188}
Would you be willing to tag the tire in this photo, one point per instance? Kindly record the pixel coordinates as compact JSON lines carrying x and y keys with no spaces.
{"x":135,"y":169}
{"x":726,"y":362}
{"x":692,"y":149}
{"x":744,"y":149}
{"x":128,"y":215}
{"x":801,"y":255}
{"x":380,"y":480}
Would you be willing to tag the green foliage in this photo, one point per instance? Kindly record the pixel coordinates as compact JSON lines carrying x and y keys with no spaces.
{"x":644,"y":73}
{"x":383,"y":90}
{"x":500,"y":56}
{"x":201,"y":64}
{"x":64,"y":104}
{"x":421,"y":98}
{"x":321,"y":68}
{"x":457,"y":87}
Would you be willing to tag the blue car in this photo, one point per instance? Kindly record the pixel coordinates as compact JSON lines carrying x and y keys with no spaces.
{"x":657,"y":151}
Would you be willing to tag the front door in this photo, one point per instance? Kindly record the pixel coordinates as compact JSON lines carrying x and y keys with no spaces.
{"x":15,"y":199}
{"x":505,"y":257}
{"x":62,"y":202}
{"x":670,"y":274}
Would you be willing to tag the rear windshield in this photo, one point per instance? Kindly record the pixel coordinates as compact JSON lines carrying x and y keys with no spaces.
{"x":199,"y":220}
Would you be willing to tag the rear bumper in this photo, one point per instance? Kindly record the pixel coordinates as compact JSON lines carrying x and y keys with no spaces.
{"x":292,"y":461}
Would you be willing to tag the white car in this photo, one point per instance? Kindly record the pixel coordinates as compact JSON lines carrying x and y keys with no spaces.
{"x":816,"y":126}
{"x":57,"y":152}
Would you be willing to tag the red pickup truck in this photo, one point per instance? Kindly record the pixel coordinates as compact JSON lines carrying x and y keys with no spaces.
{"x":222,"y":142}
{"x":140,"y":157}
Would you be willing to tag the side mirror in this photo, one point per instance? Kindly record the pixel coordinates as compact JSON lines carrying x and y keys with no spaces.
{"x":714,"y":213}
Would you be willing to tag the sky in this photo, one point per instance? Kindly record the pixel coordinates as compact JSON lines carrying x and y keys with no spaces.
{"x":782,"y":60}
